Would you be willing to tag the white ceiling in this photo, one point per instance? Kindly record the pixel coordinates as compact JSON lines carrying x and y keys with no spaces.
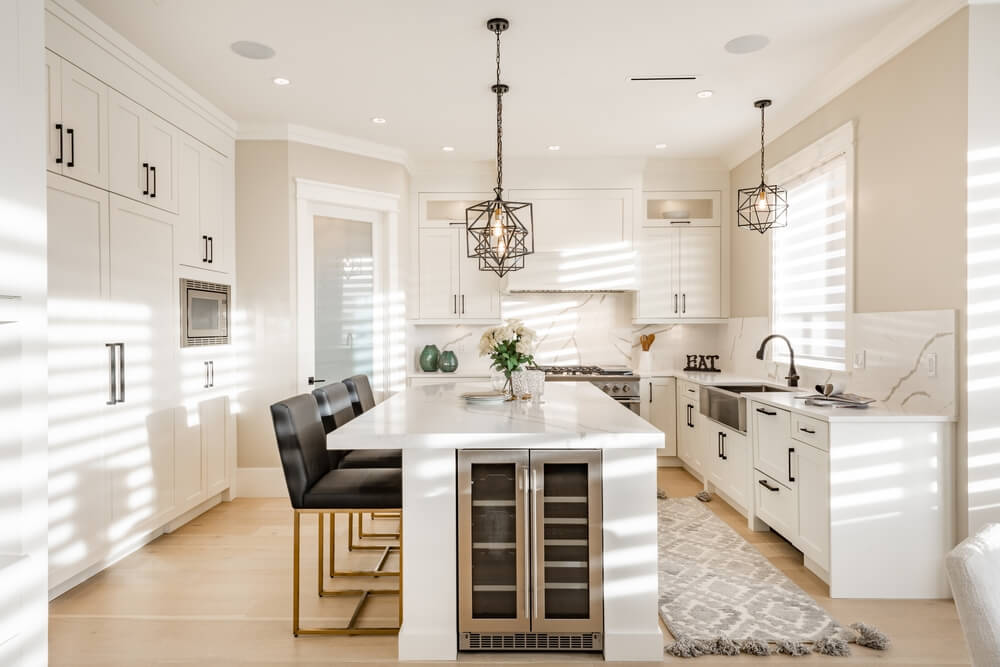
{"x":427,"y":66}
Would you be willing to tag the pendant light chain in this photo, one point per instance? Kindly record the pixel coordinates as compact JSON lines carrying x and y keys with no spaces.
{"x":499,"y":92}
{"x":762,"y":144}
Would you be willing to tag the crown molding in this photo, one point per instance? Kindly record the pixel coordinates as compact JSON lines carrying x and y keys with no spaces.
{"x":99,"y":32}
{"x":322,"y":138}
{"x":915,"y":22}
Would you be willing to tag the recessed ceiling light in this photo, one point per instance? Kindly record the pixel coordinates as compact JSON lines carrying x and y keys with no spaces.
{"x":661,"y":145}
{"x":252,"y":50}
{"x":554,"y":148}
{"x":280,"y":81}
{"x":447,"y":149}
{"x":702,"y":94}
{"x":747,"y":43}
{"x":378,"y":120}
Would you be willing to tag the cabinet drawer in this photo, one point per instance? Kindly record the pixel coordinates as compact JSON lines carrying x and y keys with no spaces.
{"x":773,"y":445}
{"x":777,"y":505}
{"x":689,"y":391}
{"x":811,"y":431}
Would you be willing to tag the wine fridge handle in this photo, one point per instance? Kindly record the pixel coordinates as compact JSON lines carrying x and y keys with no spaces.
{"x":527,"y":540}
{"x":534,"y":549}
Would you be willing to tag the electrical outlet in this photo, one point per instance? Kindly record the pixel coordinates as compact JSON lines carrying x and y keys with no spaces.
{"x":932,"y":364}
{"x":859,"y":359}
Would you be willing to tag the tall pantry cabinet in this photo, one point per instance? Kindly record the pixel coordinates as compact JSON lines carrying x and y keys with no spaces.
{"x":141,"y":431}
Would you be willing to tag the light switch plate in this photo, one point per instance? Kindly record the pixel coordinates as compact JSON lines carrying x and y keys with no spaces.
{"x":932,"y":364}
{"x":859,"y":359}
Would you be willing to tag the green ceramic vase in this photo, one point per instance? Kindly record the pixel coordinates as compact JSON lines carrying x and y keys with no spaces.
{"x":448,"y":363}
{"x":429,"y":358}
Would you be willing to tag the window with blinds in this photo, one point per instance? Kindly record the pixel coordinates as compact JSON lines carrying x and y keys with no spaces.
{"x":809,"y":268}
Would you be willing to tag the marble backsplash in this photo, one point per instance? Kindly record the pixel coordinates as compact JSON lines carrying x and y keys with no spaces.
{"x":897,"y":348}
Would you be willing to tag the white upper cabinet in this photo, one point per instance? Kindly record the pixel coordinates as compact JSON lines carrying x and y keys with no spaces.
{"x":144,"y":154}
{"x":579,"y":220}
{"x":77,"y":123}
{"x":203,"y":235}
{"x":451,"y":286}
{"x":680,"y":273}
{"x":700,"y":272}
{"x":693,"y":209}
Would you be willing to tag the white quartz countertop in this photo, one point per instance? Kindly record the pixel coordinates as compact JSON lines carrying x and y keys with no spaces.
{"x":794,"y":402}
{"x":571,"y":415}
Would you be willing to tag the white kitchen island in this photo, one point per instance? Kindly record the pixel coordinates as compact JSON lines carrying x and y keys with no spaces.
{"x":432,"y":423}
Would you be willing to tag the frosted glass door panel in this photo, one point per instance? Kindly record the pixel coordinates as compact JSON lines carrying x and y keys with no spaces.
{"x":344,"y":298}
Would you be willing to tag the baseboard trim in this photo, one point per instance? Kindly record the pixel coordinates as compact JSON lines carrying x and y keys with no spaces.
{"x":261,"y":483}
{"x":668,"y":462}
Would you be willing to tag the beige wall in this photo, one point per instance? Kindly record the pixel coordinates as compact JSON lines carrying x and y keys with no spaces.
{"x":910,"y":124}
{"x":265,"y":231}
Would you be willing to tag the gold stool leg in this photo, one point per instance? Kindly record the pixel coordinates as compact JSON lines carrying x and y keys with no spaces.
{"x":363,"y":535}
{"x":363,"y":594}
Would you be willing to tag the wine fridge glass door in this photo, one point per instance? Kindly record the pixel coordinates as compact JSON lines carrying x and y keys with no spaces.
{"x":493,"y":541}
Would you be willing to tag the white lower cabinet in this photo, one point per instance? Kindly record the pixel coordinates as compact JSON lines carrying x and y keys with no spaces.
{"x":658,"y":406}
{"x":690,"y":438}
{"x":813,"y":481}
{"x":728,"y":464}
{"x":777,"y":505}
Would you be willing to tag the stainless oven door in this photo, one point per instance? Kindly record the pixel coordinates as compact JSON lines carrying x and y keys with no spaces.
{"x":207,"y":314}
{"x":630,"y":403}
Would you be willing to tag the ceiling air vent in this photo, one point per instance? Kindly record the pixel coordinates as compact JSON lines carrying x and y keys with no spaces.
{"x":662,"y":77}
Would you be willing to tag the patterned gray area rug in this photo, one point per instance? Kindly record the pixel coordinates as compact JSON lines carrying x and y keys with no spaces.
{"x":716,"y":587}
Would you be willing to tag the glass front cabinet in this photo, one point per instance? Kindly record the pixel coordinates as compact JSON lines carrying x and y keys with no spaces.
{"x":529,"y":535}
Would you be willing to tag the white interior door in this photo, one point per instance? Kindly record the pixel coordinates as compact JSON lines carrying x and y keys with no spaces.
{"x":144,"y":316}
{"x":79,"y":382}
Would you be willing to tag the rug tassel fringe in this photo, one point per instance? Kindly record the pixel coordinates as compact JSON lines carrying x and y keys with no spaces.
{"x":870,"y":637}
{"x":832,"y":645}
{"x":786,"y":647}
{"x":755,"y":647}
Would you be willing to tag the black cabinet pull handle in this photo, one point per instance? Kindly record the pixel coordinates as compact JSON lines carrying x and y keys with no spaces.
{"x":766,"y":412}
{"x":153,"y":169}
{"x":650,"y":392}
{"x":675,"y":303}
{"x":207,"y":383}
{"x":680,"y":222}
{"x":454,"y":304}
{"x":691,"y":391}
{"x":204,"y":248}
{"x":718,"y":444}
{"x":791,"y":450}
{"x":211,"y":366}
{"x":72,"y":148}
{"x":211,"y":250}
{"x":807,"y":430}
{"x":59,"y":126}
{"x":112,"y":397}
{"x":121,"y":372}
{"x":763,"y":482}
{"x":463,"y":304}
{"x":313,"y":380}
{"x":684,"y":303}
{"x":725,"y":457}
{"x":690,"y":415}
{"x":145,"y":165}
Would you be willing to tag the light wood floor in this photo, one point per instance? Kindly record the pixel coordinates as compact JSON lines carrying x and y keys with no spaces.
{"x":216,"y":592}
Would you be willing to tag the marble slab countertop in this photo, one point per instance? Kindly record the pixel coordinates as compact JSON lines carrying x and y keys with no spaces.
{"x":794,"y":401}
{"x":571,"y":415}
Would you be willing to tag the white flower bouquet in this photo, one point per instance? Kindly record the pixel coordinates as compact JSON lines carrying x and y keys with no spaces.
{"x":509,"y":347}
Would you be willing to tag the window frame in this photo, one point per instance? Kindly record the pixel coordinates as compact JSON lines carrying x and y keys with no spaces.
{"x":840,"y":141}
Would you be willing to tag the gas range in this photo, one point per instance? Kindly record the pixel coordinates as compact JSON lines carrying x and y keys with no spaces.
{"x":619,"y":382}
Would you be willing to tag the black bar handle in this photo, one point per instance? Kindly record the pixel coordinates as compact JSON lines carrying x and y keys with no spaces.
{"x":680,"y":222}
{"x":145,"y":165}
{"x":763,"y":482}
{"x":791,"y":450}
{"x":684,"y":303}
{"x":454,"y":304}
{"x":675,"y":304}
{"x":718,"y":444}
{"x":206,"y":385}
{"x":204,"y":248}
{"x":650,"y":392}
{"x":211,"y":367}
{"x":463,"y":304}
{"x":72,"y":148}
{"x":121,"y":372}
{"x":112,"y":397}
{"x":766,"y":412}
{"x":211,"y":249}
{"x":313,"y":380}
{"x":59,"y":126}
{"x":153,"y":169}
{"x":725,"y":457}
{"x":807,"y":430}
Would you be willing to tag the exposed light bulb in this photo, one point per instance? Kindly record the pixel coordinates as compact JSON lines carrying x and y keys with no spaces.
{"x":497,"y":225}
{"x":762,"y":201}
{"x":501,"y":247}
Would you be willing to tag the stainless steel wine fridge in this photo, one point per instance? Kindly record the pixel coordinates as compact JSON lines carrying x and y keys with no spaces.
{"x":529,"y":539}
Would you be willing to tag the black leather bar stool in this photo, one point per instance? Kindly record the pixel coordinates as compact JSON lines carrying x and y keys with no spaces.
{"x":336,"y":409}
{"x":363,"y":400}
{"x":314,"y":487}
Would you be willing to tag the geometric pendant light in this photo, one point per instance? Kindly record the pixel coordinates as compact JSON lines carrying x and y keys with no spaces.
{"x":499,"y":233}
{"x":765,"y":206}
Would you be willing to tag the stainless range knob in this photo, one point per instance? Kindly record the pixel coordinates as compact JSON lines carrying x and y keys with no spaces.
{"x":614,"y":389}
{"x":606,"y":389}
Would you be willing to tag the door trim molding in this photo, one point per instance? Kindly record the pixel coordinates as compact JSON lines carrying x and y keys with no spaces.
{"x":314,"y":198}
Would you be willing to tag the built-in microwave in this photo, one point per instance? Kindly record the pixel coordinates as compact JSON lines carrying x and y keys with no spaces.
{"x":204,"y":313}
